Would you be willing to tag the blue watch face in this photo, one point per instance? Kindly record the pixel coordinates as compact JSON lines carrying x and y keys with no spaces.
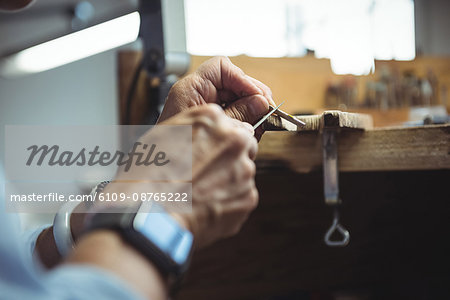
{"x":166,"y":234}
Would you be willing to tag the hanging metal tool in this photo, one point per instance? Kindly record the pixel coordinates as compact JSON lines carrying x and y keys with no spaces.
{"x":153,"y":62}
{"x":331,"y":180}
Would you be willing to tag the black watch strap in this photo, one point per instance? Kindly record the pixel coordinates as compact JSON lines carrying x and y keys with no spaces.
{"x":166,"y":261}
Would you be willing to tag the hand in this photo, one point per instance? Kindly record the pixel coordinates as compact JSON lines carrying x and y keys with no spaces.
{"x":219,"y":81}
{"x":224,"y":191}
{"x":223,"y":186}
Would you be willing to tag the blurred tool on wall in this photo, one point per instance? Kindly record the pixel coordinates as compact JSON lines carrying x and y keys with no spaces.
{"x":390,"y":90}
{"x":424,"y":97}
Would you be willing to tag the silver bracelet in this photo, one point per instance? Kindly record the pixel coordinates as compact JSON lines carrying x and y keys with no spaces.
{"x":62,"y":232}
{"x":61,"y":228}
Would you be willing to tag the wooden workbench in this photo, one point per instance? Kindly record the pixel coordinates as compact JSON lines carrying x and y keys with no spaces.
{"x":383,"y":149}
{"x":396,"y":205}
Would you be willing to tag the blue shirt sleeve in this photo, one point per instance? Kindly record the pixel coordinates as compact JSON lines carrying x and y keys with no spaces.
{"x":69,"y":282}
{"x":29,"y":237}
{"x":21,"y":279}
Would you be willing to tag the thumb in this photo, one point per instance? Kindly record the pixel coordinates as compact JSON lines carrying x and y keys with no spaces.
{"x":248,"y":109}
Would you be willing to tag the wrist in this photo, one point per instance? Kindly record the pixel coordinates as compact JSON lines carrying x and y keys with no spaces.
{"x":154,"y":233}
{"x":46,"y":249}
{"x":77,"y":221}
{"x":183,"y":220}
{"x":102,"y":248}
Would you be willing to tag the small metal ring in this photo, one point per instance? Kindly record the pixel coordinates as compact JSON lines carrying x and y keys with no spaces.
{"x":337,"y":227}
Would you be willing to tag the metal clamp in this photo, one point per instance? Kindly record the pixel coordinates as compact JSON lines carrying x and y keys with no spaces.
{"x":331,"y":185}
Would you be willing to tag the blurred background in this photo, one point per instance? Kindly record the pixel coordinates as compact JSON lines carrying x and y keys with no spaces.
{"x":349,"y":54}
{"x":388,"y":58}
{"x":368,"y":56}
{"x":107,"y":62}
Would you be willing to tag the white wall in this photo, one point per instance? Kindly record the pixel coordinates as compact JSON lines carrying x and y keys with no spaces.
{"x":84,"y":92}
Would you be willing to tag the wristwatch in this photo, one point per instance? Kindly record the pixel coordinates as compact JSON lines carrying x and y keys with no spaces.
{"x":156,"y":235}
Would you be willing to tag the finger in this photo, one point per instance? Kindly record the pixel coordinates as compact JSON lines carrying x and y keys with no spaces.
{"x":248,"y":140}
{"x":267,"y":92}
{"x":231,"y":176}
{"x":224,"y":75}
{"x":258,"y":132}
{"x":211,"y":110}
{"x":226,"y":96}
{"x":253,"y":148}
{"x":241,"y":142}
{"x":242,"y":174}
{"x":234,"y":79}
{"x":248,"y":109}
{"x":244,"y":125}
{"x":246,"y":201}
{"x":206,"y":115}
{"x":237,"y":183}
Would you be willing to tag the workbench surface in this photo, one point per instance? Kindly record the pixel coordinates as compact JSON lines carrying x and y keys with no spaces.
{"x":394,"y":188}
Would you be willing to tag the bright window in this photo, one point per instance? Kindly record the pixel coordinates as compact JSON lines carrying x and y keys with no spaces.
{"x":352,"y":33}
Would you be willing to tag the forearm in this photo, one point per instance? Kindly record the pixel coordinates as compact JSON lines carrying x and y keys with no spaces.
{"x":106,"y":250}
{"x":46,"y":248}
